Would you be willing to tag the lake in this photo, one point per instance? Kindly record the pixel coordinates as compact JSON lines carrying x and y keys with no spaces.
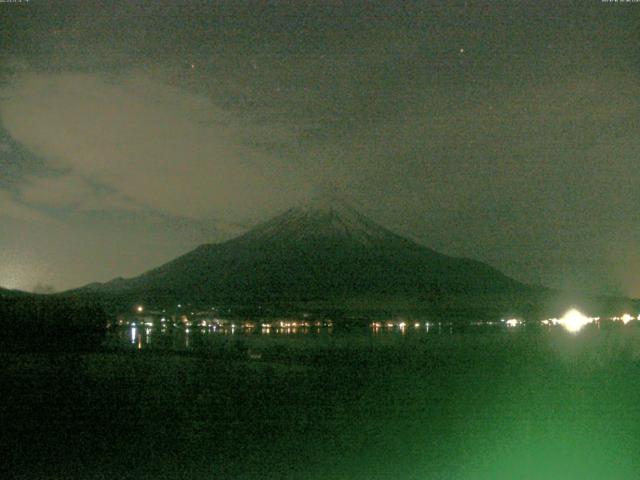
{"x":329,"y":403}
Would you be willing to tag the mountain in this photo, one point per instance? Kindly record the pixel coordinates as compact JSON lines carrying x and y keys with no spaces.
{"x":6,"y":293}
{"x":321,"y":251}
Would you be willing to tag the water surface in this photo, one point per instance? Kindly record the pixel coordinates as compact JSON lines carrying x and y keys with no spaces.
{"x":330,"y":404}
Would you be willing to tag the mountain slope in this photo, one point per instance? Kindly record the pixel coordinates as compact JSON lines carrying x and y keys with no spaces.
{"x":6,"y":293}
{"x":320,"y":251}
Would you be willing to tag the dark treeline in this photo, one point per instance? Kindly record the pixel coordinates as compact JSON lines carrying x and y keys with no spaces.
{"x":45,"y":323}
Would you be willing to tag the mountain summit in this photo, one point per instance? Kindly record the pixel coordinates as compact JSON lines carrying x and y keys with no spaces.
{"x":325,"y":217}
{"x":323,"y":250}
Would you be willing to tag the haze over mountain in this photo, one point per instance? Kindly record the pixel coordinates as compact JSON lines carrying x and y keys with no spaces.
{"x":321,"y":250}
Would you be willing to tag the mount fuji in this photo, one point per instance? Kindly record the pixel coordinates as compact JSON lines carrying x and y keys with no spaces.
{"x":323,"y":250}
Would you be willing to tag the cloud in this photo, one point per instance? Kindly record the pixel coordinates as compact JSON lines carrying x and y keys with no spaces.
{"x":11,"y":208}
{"x":148,"y":143}
{"x":74,"y":193}
{"x":58,"y":192}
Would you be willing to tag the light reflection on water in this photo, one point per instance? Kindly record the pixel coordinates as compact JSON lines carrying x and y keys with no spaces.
{"x":447,"y":401}
{"x":206,"y":335}
{"x":179,"y":337}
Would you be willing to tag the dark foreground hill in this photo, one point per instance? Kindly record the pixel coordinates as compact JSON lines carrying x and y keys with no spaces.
{"x":31,"y":322}
{"x":323,"y":251}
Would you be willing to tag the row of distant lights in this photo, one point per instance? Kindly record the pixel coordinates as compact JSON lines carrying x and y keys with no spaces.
{"x":217,"y":323}
{"x":573,"y":321}
{"x":400,"y":325}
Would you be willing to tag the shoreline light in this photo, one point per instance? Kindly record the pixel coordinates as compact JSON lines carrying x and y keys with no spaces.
{"x":574,"y":320}
{"x":626,"y":318}
{"x":512,"y":322}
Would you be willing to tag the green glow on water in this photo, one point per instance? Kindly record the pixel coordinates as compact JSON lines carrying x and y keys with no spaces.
{"x":510,"y":405}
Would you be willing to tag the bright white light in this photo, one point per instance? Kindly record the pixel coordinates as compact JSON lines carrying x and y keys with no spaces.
{"x":626,"y":318}
{"x":512,"y":322}
{"x":573,"y":320}
{"x":139,"y":308}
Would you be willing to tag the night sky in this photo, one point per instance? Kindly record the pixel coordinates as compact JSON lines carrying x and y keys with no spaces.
{"x":506,"y":132}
